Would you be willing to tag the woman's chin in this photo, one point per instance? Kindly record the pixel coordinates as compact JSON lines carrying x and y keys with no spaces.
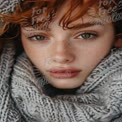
{"x":65,"y":84}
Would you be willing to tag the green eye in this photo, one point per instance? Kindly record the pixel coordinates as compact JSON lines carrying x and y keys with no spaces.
{"x":37,"y":38}
{"x":87,"y":35}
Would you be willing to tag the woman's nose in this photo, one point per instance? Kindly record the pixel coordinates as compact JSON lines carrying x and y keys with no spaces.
{"x":63,"y":53}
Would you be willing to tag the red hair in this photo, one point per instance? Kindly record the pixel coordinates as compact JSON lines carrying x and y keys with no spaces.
{"x":24,"y":12}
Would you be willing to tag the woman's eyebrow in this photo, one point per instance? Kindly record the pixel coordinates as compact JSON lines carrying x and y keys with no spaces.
{"x":84,"y":25}
{"x":88,"y":24}
{"x":75,"y":27}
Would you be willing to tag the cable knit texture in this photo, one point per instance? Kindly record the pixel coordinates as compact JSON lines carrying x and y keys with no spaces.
{"x":8,"y":111}
{"x":25,"y":96}
{"x":8,"y":6}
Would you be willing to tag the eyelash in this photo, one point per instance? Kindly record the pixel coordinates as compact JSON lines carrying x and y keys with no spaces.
{"x":92,"y":35}
{"x":37,"y":37}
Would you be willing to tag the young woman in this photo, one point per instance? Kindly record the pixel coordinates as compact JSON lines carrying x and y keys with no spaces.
{"x":62,"y":65}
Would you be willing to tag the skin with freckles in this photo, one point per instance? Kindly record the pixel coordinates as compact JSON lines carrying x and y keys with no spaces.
{"x":67,"y":57}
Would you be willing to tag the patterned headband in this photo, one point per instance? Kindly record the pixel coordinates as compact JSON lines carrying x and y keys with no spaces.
{"x":8,"y":6}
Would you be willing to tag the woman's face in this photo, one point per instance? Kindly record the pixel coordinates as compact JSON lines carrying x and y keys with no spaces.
{"x":67,"y":57}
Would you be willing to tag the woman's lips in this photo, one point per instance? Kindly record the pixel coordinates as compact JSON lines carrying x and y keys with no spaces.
{"x":64,"y":73}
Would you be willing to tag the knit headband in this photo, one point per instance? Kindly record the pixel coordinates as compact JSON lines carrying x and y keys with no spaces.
{"x":8,"y":6}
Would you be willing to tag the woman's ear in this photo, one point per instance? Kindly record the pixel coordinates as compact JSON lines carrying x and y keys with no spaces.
{"x":118,"y":42}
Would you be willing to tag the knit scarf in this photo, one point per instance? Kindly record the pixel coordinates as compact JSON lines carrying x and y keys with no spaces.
{"x":99,"y":99}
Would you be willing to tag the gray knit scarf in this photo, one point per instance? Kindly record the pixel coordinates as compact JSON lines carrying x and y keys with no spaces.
{"x":27,"y":97}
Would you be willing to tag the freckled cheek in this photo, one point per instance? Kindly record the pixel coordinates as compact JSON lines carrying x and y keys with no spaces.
{"x":38,"y":57}
{"x":90,"y":57}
